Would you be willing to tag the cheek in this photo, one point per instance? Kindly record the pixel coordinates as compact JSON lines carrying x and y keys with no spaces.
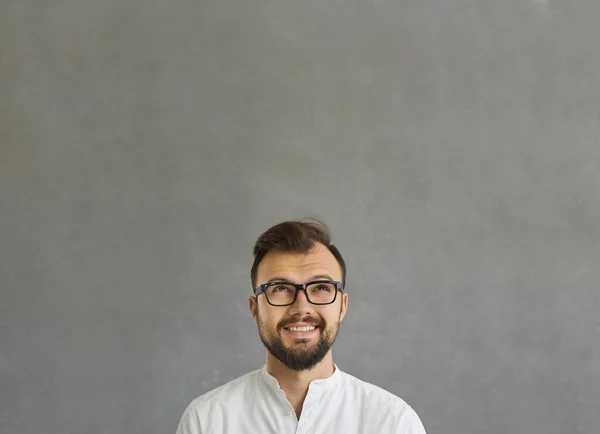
{"x":332,"y":314}
{"x":269,"y":321}
{"x":332,"y":319}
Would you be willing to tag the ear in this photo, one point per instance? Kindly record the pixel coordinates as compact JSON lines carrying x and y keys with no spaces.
{"x":344,"y":306}
{"x":253,"y":304}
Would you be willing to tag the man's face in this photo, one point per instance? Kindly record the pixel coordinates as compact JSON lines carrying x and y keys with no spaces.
{"x":298,"y":350}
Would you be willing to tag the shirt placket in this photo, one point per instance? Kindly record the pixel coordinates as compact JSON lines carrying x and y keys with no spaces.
{"x":311,"y":403}
{"x":289,"y":420}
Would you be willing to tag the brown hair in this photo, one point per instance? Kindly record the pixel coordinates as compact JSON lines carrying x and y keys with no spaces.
{"x":294,"y":237}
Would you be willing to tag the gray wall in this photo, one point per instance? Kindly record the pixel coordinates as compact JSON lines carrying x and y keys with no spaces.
{"x":451,"y":145}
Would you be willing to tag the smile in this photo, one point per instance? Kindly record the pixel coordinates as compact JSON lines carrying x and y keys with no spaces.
{"x":301,"y":332}
{"x":302,"y":329}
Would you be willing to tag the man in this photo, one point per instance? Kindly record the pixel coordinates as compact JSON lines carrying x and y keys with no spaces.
{"x":299,"y":301}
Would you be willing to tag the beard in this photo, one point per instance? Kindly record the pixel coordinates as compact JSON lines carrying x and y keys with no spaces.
{"x":304,"y":356}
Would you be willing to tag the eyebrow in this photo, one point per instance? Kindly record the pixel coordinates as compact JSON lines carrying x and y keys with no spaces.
{"x":316,"y":277}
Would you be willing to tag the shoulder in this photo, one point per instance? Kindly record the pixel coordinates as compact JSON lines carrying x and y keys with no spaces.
{"x":234,"y":390}
{"x":371,"y":392}
{"x":208,"y":409}
{"x":380,"y":403}
{"x":231,"y":393}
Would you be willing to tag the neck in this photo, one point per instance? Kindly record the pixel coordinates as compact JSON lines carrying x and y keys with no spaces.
{"x":295,"y":383}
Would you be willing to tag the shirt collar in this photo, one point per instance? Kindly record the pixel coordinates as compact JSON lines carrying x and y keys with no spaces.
{"x":325,"y":383}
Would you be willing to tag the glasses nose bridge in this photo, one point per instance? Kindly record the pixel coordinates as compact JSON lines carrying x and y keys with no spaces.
{"x":301,"y":287}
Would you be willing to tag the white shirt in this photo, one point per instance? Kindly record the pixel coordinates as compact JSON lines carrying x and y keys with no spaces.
{"x":255,"y":404}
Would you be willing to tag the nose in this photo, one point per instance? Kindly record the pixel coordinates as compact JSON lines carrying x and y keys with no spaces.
{"x":301,"y":305}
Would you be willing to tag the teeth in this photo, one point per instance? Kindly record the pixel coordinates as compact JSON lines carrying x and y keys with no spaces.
{"x":302,"y":329}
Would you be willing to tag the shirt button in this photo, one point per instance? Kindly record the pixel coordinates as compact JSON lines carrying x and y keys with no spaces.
{"x":288,"y":412}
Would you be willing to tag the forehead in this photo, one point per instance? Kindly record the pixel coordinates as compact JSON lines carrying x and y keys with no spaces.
{"x":299,"y":267}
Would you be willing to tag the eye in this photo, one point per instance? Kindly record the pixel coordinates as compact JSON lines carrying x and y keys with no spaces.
{"x":280,"y":288}
{"x":322,"y":288}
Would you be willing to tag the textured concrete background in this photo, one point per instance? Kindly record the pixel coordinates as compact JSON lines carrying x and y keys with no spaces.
{"x":451,"y":145}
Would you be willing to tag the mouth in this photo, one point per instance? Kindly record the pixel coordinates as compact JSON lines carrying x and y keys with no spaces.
{"x":301,"y":331}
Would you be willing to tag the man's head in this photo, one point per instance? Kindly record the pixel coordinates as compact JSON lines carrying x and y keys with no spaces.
{"x":298,"y":253}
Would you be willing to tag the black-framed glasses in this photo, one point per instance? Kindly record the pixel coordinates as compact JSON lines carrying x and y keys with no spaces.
{"x":317,"y":292}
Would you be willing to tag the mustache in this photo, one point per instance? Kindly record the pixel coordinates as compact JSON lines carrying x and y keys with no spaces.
{"x":318,"y":322}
